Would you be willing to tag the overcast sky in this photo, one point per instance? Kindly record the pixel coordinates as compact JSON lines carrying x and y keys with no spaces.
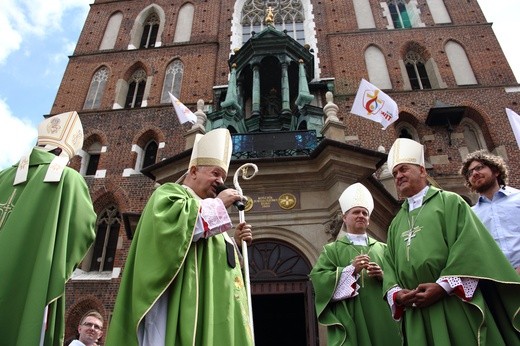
{"x":39,"y":35}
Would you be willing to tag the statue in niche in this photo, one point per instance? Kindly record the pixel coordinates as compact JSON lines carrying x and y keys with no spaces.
{"x":271,"y":104}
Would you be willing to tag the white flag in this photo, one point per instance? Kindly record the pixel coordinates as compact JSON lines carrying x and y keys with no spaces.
{"x":514,"y":120}
{"x":373,"y":104}
{"x":183,"y":113}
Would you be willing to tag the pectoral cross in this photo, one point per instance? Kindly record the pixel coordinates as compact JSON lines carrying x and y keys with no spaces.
{"x":362,"y":270}
{"x":362,"y":275}
{"x":408,"y":235}
{"x":6,"y":209}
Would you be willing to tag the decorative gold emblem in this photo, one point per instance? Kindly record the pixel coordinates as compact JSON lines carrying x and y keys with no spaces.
{"x":239,"y":284}
{"x":54,"y":126}
{"x":287,"y":201}
{"x":249,"y":203}
{"x":77,"y":137}
{"x":6,"y":209}
{"x":23,"y":163}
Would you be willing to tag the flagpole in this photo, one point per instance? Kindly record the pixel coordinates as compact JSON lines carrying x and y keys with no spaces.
{"x":241,"y":215}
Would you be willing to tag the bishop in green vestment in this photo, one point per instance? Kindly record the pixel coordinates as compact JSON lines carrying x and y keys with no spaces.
{"x":445,"y":279}
{"x":47,"y":224}
{"x":347,"y":280}
{"x":182,"y":282}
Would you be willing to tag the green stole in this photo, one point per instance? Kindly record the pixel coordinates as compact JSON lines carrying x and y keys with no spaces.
{"x":450,"y":240}
{"x":361,"y":320}
{"x":207,"y":303}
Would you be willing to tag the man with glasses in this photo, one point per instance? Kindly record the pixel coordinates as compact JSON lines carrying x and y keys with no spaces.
{"x":446,"y":280}
{"x":90,"y":329}
{"x":498,"y":205}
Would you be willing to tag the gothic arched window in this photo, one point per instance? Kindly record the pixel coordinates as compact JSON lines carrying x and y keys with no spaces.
{"x":92,"y":159}
{"x":150,"y":153}
{"x":96,"y":89}
{"x":184,"y":23}
{"x":472,"y":135}
{"x":438,"y":11}
{"x":460,"y":65}
{"x":376,"y":68}
{"x":364,"y":17}
{"x":288,"y":15}
{"x":406,"y":130}
{"x":150,"y":30}
{"x":400,"y":16}
{"x":172,"y":80}
{"x":107,"y":234}
{"x":136,"y":87}
{"x":111,"y":31}
{"x":416,"y":69}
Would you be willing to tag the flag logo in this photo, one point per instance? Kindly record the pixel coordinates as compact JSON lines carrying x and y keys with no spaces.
{"x":373,"y":104}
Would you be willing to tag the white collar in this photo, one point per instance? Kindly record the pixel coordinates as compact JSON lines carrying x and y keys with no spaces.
{"x":358,"y":239}
{"x":416,"y":200}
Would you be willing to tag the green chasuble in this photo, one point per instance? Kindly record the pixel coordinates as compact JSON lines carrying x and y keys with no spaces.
{"x":448,"y":239}
{"x":45,"y":231}
{"x":207,"y":301}
{"x":362,"y":320}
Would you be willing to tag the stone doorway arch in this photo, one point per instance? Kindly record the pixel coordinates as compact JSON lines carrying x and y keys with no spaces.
{"x":283,"y":303}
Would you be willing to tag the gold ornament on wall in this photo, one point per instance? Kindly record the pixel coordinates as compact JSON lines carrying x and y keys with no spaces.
{"x":287,"y":201}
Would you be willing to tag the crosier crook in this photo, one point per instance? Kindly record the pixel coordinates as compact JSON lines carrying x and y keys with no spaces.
{"x":245,"y":176}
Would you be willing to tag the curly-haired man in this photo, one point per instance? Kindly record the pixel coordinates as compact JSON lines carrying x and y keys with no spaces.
{"x":498,"y":206}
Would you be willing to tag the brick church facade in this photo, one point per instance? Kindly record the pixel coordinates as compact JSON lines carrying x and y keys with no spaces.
{"x":285,"y":89}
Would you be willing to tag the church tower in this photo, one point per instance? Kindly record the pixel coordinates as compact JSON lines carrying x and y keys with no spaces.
{"x":282,"y":76}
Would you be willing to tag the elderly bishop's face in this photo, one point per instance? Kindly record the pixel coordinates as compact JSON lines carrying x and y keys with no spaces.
{"x":409,"y":179}
{"x":204,"y":180}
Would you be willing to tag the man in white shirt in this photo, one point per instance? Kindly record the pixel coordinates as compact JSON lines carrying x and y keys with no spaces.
{"x":90,"y":329}
{"x":446,"y":280}
{"x":498,"y":206}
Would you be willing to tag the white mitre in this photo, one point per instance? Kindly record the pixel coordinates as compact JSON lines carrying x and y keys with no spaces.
{"x":356,"y":195}
{"x":59,"y":131}
{"x":405,"y":150}
{"x":212,"y":149}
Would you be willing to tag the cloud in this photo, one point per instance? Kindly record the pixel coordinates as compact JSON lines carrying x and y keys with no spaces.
{"x":11,"y":39}
{"x":20,"y":19}
{"x":17,"y":136}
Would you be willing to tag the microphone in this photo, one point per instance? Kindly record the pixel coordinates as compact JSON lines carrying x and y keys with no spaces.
{"x":238,"y":204}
